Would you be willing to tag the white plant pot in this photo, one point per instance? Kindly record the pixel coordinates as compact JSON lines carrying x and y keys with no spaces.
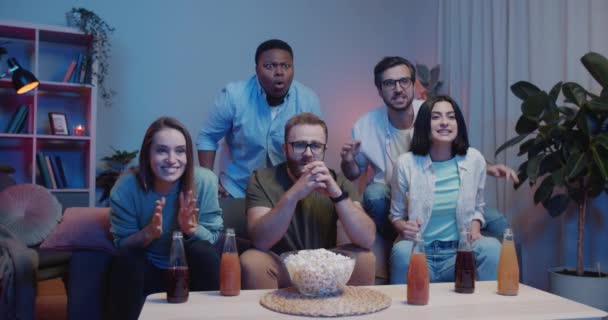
{"x":592,"y":291}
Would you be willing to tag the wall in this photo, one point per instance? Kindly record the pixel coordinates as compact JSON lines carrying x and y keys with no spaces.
{"x":172,"y":58}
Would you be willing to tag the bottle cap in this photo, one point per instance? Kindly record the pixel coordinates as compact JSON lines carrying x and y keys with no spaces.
{"x":177,"y":234}
{"x":230,"y":231}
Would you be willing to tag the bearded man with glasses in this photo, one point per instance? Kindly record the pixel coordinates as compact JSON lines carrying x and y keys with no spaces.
{"x":302,"y":204}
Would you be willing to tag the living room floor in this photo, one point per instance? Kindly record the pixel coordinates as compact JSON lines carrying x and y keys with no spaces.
{"x":51,"y":300}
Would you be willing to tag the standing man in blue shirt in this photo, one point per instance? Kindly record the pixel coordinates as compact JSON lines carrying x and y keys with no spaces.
{"x":251,"y":116}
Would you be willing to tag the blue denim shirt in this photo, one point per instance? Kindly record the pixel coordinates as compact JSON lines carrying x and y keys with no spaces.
{"x":242,"y":115}
{"x":413,"y":188}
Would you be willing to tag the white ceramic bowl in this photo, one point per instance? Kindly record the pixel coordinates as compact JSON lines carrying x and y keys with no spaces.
{"x":318,"y":272}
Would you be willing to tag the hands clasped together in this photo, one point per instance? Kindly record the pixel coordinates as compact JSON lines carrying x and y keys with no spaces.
{"x":186,"y":218}
{"x":316,"y":177}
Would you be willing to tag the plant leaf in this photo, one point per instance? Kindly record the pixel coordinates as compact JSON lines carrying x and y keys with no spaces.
{"x":557,"y":204}
{"x":599,"y":104}
{"x":600,"y":158}
{"x":551,"y":163}
{"x":435,"y":74}
{"x":586,"y":122}
{"x":568,"y":112}
{"x":544,"y":191}
{"x":554,"y":93}
{"x":423,"y":73}
{"x":510,"y":143}
{"x":551,"y":113}
{"x":524,"y":147}
{"x":533,"y":166}
{"x":602,"y":140}
{"x":558,"y":177}
{"x":574,"y":93}
{"x":524,"y":89}
{"x":525,"y":125}
{"x":534,"y":105}
{"x":597,"y":181}
{"x":575,"y":165}
{"x":597,"y":65}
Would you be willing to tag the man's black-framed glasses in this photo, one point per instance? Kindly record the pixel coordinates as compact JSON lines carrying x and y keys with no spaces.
{"x":299,"y":147}
{"x":390,"y":84}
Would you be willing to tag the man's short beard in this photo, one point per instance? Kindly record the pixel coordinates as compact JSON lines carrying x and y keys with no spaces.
{"x":399,"y":109}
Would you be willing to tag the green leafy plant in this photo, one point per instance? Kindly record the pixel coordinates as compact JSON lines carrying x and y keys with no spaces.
{"x":566,"y":146}
{"x":99,"y":51}
{"x":113,"y":166}
{"x":429,"y":80}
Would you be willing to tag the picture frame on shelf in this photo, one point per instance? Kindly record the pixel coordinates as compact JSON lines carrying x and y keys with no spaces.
{"x":58,"y":123}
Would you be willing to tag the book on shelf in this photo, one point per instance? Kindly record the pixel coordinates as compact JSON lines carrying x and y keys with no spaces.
{"x":76,"y":74}
{"x":49,"y":168}
{"x":17,"y":120}
{"x":61,"y":171}
{"x":55,"y":168}
{"x":44,"y":173}
{"x":69,"y":71}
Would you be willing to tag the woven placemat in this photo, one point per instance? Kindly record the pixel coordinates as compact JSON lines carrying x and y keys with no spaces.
{"x":353,"y":301}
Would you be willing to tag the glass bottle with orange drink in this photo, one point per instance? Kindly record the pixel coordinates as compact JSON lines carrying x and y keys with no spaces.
{"x":230,"y":267}
{"x":508,"y":269}
{"x":418,"y":274}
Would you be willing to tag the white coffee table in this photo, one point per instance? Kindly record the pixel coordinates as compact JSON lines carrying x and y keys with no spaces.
{"x":444,"y":303}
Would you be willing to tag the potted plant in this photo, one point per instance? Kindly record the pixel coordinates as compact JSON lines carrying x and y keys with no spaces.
{"x":566,"y":150}
{"x":113,"y":166}
{"x":99,"y":51}
{"x":427,"y":82}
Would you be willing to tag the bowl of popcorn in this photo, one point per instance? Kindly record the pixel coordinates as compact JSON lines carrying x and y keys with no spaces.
{"x":318,"y":272}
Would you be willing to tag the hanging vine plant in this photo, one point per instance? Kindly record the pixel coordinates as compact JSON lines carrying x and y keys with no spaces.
{"x":99,"y":50}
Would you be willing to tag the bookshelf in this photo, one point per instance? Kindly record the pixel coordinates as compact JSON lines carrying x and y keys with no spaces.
{"x":48,"y":52}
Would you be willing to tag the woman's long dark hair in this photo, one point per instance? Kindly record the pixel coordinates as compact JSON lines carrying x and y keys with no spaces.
{"x":421,"y":141}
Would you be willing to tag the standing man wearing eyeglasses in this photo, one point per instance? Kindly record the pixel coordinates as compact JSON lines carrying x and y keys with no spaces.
{"x":251,"y":116}
{"x":298,"y":205}
{"x":381,"y":135}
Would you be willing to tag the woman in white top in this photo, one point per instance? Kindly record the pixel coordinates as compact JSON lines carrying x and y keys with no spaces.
{"x":437,"y":189}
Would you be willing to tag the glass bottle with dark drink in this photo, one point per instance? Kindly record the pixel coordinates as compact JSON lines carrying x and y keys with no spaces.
{"x":465,"y":265}
{"x":508,"y":268}
{"x":177,"y":274}
{"x":230,"y":267}
{"x":418,"y":274}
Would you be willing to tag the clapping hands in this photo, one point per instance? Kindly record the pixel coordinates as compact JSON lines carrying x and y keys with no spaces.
{"x":187,"y":217}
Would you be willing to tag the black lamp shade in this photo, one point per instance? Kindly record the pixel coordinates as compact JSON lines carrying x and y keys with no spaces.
{"x":23,"y":80}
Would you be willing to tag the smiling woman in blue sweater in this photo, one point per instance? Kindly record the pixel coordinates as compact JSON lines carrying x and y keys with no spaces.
{"x":166,"y":193}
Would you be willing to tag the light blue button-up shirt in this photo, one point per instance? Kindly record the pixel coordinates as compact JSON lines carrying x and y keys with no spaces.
{"x":242,"y":115}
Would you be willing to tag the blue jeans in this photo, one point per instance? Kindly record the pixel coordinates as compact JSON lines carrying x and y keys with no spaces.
{"x":441,"y":258}
{"x":377,"y":203}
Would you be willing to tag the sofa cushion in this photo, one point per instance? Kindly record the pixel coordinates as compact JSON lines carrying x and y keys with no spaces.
{"x":82,"y":228}
{"x":30,"y":211}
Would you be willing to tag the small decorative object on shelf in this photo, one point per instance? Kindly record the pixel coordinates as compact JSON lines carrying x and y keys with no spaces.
{"x":78,"y":130}
{"x":99,"y":50}
{"x":58,"y":123}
